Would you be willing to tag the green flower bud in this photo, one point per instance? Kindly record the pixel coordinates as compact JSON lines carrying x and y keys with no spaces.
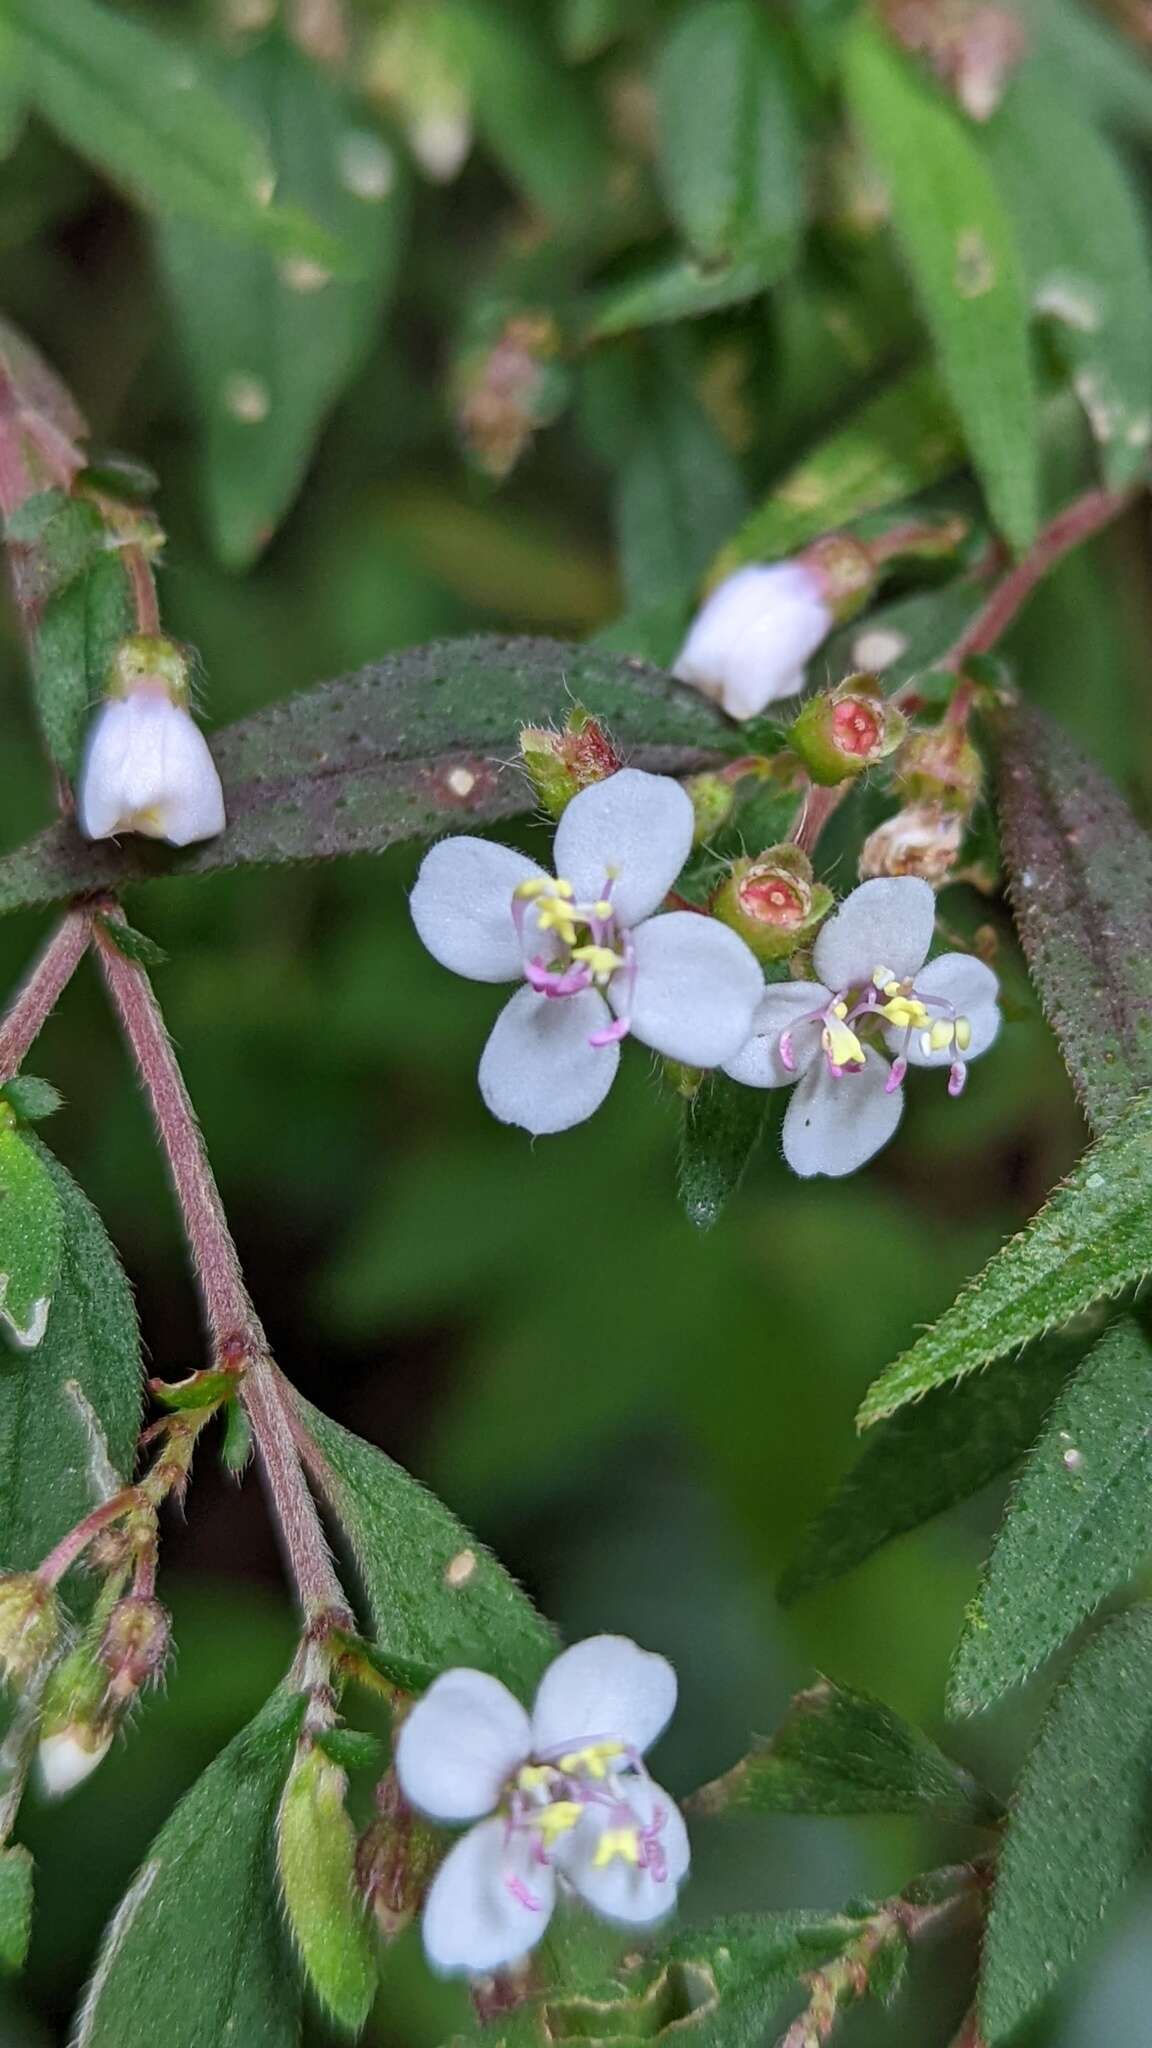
{"x":772,"y":902}
{"x":712,"y":800}
{"x":316,"y":1858}
{"x":560,"y":764}
{"x":842,"y":732}
{"x":76,"y":1728}
{"x":940,"y":767}
{"x":29,"y":1625}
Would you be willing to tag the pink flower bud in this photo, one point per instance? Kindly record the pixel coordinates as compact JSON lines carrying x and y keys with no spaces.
{"x":773,"y":902}
{"x":135,"y":1645}
{"x":842,"y":732}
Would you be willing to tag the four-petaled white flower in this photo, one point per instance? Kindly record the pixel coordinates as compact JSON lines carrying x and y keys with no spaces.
{"x":147,"y":769}
{"x":870,"y":958}
{"x":569,"y":1802}
{"x":749,"y":643}
{"x":598,"y":963}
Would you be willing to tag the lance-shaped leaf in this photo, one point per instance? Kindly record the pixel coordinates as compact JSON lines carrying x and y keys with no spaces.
{"x":15,"y":1907}
{"x":269,"y":345}
{"x":31,"y":1238}
{"x":197,"y":1954}
{"x":722,"y":1127}
{"x":70,"y":1409}
{"x":1080,"y":875}
{"x":1078,"y":1524}
{"x":437,"y":1597}
{"x":401,"y":750}
{"x":1079,"y":1824}
{"x":900,"y":441}
{"x":316,"y":1859}
{"x":958,"y":243}
{"x":135,"y":103}
{"x":929,"y":1456}
{"x":1091,"y":1240}
{"x":843,"y":1752}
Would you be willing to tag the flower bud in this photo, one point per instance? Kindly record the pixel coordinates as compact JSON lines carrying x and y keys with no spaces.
{"x":70,"y":1755}
{"x":940,"y":767}
{"x":75,"y":1730}
{"x":923,"y":840}
{"x":773,"y":902}
{"x":134,"y":1646}
{"x":508,"y":389}
{"x":395,"y":1858}
{"x":560,"y":764}
{"x":29,"y":1625}
{"x":750,"y":640}
{"x":413,"y":67}
{"x":973,"y":46}
{"x":842,"y":732}
{"x":713,"y":800}
{"x":146,"y":765}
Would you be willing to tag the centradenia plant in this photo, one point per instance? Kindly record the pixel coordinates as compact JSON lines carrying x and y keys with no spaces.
{"x":777,"y":355}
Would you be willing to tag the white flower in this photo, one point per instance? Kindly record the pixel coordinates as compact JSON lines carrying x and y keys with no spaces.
{"x":147,"y":769}
{"x":870,"y":957}
{"x":67,"y":1758}
{"x":598,"y":964}
{"x":569,"y":1801}
{"x":749,"y":642}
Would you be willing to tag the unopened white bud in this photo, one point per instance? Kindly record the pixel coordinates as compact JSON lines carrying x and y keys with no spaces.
{"x":750,"y":641}
{"x":147,"y":769}
{"x":64,"y":1760}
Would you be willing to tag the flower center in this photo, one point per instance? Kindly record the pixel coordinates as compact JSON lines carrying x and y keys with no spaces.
{"x":571,"y":946}
{"x":548,"y":1799}
{"x":898,"y":1002}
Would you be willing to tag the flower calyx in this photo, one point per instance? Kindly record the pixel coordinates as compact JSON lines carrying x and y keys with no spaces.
{"x":923,"y":840}
{"x":773,"y":902}
{"x":842,"y":732}
{"x":29,"y":1626}
{"x":560,"y":764}
{"x":940,"y":767}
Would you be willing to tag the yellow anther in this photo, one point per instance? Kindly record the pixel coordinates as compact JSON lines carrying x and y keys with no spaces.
{"x":592,"y":1762}
{"x":557,"y":1819}
{"x":941,"y":1034}
{"x":906,"y":1012}
{"x":891,"y":988}
{"x":842,"y":1045}
{"x":602,"y":909}
{"x":963,"y":1034}
{"x":533,"y":1776}
{"x":840,"y":1010}
{"x":536,"y":885}
{"x":554,"y":916}
{"x":600,"y":961}
{"x":885,"y":979}
{"x":623,"y":1842}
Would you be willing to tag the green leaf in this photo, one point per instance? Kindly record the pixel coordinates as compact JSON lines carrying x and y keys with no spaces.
{"x":31,"y":1099}
{"x":270,"y":345}
{"x":843,"y":1752}
{"x":76,"y":637}
{"x":236,"y":1448}
{"x":721,"y":1129}
{"x":437,"y":1596}
{"x":534,"y":118}
{"x":400,"y":750}
{"x":316,"y":1860}
{"x":134,"y":945}
{"x":352,"y":1749}
{"x":134,"y":102}
{"x":731,"y":145}
{"x":1092,"y":1240}
{"x":958,"y":244}
{"x":15,"y":1907}
{"x":679,"y":288}
{"x":70,"y":1410}
{"x":1061,"y":178}
{"x":928,"y":1457}
{"x":196,"y":1955}
{"x":1078,"y":1524}
{"x":902,"y":439}
{"x":1080,"y":876}
{"x":1078,"y":1826}
{"x":31,"y":1239}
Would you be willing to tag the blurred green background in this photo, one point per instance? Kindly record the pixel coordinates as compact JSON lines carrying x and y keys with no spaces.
{"x":638,"y":1418}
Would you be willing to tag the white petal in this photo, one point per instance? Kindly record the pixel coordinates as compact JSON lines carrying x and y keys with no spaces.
{"x":460,"y":1744}
{"x":66,"y":1759}
{"x":490,"y":1903}
{"x":605,"y":1688}
{"x":885,"y":923}
{"x":147,"y":768}
{"x":749,"y":643}
{"x":833,"y":1125}
{"x":973,"y":990}
{"x":462,"y":907}
{"x":619,"y":1890}
{"x":696,"y":991}
{"x":781,"y":1008}
{"x":638,"y":827}
{"x":538,"y":1069}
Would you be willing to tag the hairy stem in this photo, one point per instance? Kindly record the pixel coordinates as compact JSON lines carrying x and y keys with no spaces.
{"x":846,"y":1981}
{"x":237,"y":1337}
{"x":36,"y":1000}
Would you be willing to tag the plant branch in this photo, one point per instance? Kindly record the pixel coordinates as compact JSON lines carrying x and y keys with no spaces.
{"x":903,"y":1919}
{"x":238,"y":1341}
{"x":36,"y":1000}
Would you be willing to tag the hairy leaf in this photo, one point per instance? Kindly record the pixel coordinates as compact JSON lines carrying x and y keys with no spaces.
{"x":1093,"y":1239}
{"x":928,"y":1457}
{"x":842,"y":1752}
{"x":316,"y":1860}
{"x":409,"y":747}
{"x":135,"y":103}
{"x":900,"y":441}
{"x":721,"y":1129}
{"x":1078,"y":1827}
{"x":1078,"y":1525}
{"x":31,"y":1239}
{"x":15,"y":1907}
{"x":197,"y":1955}
{"x":437,"y":1596}
{"x":732,"y":152}
{"x":1080,"y":876}
{"x":70,"y":1409}
{"x":1061,"y":178}
{"x":958,"y":243}
{"x":269,"y":345}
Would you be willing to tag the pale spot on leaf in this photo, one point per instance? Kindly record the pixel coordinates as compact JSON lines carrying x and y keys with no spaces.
{"x":975,"y":271}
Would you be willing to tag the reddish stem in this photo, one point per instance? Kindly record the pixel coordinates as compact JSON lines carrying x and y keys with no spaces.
{"x":815,"y":810}
{"x":1070,"y":529}
{"x":43,"y":988}
{"x":70,"y":1547}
